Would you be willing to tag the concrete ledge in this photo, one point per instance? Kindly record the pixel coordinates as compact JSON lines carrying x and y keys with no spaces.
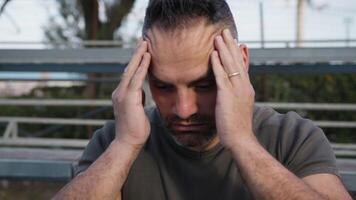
{"x":108,"y":60}
{"x":349,"y":180}
{"x":36,"y":169}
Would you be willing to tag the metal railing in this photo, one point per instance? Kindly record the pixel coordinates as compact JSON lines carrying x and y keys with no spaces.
{"x":60,"y":168}
{"x":10,"y":136}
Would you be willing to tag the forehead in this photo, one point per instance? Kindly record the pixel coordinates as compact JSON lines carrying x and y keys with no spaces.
{"x":181,"y":54}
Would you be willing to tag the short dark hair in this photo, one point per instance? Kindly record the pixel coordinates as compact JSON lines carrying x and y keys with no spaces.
{"x":173,"y":14}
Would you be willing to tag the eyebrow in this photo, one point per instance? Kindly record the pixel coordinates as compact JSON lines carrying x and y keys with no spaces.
{"x":209,"y":75}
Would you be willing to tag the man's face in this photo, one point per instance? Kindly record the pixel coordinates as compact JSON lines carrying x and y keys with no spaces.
{"x":183,"y":84}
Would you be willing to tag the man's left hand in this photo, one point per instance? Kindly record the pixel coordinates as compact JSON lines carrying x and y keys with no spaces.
{"x":235,"y":94}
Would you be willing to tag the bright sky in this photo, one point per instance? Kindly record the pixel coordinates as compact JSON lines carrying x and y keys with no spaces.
{"x":23,"y":19}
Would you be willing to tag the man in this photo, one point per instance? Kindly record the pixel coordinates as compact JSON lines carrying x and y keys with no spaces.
{"x":205,"y":139}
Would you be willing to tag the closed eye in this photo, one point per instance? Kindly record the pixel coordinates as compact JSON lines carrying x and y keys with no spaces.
{"x":163,"y":87}
{"x":205,"y":85}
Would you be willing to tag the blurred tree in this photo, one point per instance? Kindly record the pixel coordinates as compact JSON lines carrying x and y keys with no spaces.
{"x":2,"y":8}
{"x":300,"y":10}
{"x":87,"y":20}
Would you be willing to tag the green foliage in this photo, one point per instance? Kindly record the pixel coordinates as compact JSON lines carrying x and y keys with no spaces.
{"x":338,"y":88}
{"x":307,"y":88}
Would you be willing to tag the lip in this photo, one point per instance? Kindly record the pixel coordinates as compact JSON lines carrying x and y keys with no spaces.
{"x":189,"y":127}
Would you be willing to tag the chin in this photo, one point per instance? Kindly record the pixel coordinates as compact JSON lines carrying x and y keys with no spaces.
{"x":193,"y":140}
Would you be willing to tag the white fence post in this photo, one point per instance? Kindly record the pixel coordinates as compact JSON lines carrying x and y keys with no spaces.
{"x":11,"y":130}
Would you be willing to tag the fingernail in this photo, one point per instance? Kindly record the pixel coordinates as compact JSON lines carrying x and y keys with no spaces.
{"x":218,"y":37}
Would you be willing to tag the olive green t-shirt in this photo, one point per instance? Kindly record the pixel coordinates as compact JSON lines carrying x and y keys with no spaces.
{"x":166,"y":170}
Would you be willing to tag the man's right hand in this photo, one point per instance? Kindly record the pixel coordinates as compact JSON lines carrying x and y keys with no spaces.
{"x":132,"y":125}
{"x":111,"y":169}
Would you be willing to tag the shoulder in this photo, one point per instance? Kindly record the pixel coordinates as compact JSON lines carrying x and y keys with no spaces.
{"x":296,"y":142}
{"x":104,"y":135}
{"x":289,"y":126}
{"x":291,"y":122}
{"x":271,"y":126}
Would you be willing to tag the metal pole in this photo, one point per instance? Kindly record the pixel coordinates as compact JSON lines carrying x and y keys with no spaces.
{"x":262,"y":25}
{"x":348,"y":22}
{"x":300,"y":22}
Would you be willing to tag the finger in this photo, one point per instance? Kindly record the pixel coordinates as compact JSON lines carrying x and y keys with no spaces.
{"x":133,"y":64}
{"x":139,"y":41}
{"x":225,"y":56}
{"x":138,"y":78}
{"x":227,"y":61}
{"x":235,"y":51}
{"x":136,"y":58}
{"x":222,"y":80}
{"x":245,"y":66}
{"x":229,"y":40}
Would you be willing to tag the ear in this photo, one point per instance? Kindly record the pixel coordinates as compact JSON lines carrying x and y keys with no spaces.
{"x":245,"y":56}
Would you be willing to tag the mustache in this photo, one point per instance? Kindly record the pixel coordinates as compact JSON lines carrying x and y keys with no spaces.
{"x":194,"y":119}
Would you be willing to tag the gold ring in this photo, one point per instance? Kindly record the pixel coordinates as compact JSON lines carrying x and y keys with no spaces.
{"x":233,"y":74}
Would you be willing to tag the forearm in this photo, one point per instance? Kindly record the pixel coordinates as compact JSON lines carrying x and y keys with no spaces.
{"x":105,"y":177}
{"x":266,"y":178}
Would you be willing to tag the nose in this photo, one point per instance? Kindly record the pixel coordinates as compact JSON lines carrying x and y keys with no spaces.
{"x":186,"y":104}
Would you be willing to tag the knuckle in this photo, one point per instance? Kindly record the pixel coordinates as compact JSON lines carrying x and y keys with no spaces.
{"x":117,"y":97}
{"x":113,"y":95}
{"x":252,"y":93}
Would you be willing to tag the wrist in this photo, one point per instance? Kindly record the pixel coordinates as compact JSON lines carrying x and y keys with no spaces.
{"x":126,"y":146}
{"x":245,"y":149}
{"x":243,"y":141}
{"x":133,"y":140}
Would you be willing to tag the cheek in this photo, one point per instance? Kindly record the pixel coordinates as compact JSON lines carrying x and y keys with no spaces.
{"x":163,"y":101}
{"x":207,"y":102}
